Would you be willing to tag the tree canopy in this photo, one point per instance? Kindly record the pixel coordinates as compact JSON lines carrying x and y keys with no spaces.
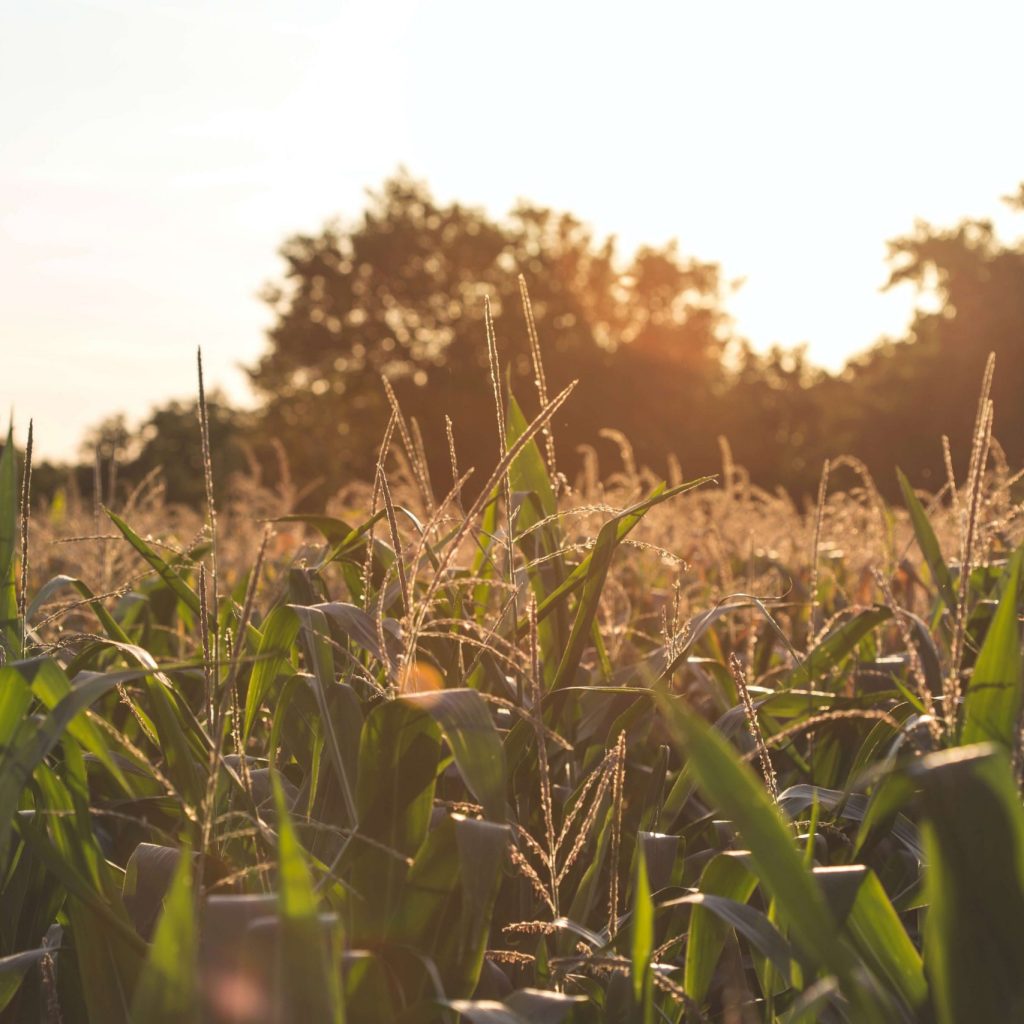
{"x":901,"y":397}
{"x":400,"y":293}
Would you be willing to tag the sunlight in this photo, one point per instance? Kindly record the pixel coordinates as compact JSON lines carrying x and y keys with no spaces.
{"x":786,"y":146}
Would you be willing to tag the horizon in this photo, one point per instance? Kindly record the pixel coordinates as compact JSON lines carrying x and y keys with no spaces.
{"x":148,"y":181}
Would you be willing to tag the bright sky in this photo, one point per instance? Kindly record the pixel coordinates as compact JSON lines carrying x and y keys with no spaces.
{"x":153,"y":155}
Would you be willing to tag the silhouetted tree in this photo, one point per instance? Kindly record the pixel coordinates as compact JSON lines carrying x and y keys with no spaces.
{"x":777,"y":417}
{"x":901,"y":397}
{"x":401,"y":294}
{"x":168,"y":441}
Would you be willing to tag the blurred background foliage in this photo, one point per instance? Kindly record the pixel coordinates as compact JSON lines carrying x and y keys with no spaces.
{"x":400,"y":293}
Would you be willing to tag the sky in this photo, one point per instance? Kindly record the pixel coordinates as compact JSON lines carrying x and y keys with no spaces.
{"x":154,"y":156}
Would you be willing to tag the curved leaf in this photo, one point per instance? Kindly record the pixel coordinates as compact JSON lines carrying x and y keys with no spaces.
{"x":465,"y":720}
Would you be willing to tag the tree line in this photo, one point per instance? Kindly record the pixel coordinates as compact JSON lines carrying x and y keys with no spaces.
{"x":401,"y":292}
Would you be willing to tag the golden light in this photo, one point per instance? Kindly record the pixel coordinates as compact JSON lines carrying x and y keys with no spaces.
{"x":421,"y":677}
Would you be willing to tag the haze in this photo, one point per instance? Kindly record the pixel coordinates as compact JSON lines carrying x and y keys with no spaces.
{"x":154,"y":155}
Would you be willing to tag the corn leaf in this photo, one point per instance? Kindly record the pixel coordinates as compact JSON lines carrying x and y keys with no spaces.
{"x":465,"y":721}
{"x":993,"y":699}
{"x":309,"y":982}
{"x":642,"y":941}
{"x":733,"y":788}
{"x":725,"y":875}
{"x":974,"y":845}
{"x":928,"y":543}
{"x":168,"y":988}
{"x":10,"y":633}
{"x":592,"y":572}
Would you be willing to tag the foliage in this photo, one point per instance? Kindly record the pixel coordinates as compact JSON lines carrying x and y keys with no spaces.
{"x":401,"y":293}
{"x":164,"y":445}
{"x":507,"y":757}
{"x":900,"y":395}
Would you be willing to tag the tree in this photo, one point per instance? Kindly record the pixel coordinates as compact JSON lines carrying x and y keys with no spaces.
{"x":168,"y":442}
{"x":401,"y":292}
{"x":779,"y":418}
{"x":902,"y":396}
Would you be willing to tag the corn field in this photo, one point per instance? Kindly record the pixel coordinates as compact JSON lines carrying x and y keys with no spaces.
{"x":531,"y":750}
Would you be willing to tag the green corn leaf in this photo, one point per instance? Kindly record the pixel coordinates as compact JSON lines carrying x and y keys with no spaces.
{"x":592,"y":572}
{"x":399,"y":752}
{"x":642,"y":941}
{"x":815,"y":1004}
{"x":928,"y":543}
{"x":297,"y":898}
{"x":483,"y":566}
{"x":171,"y":578}
{"x":106,"y":971}
{"x":864,"y":911}
{"x":839,"y":644}
{"x":484,"y":1011}
{"x":539,"y":1006}
{"x":107,"y":951}
{"x":51,"y":685}
{"x":465,"y":721}
{"x":74,"y":881}
{"x":10,"y":632}
{"x":620,"y":525}
{"x":733,"y":788}
{"x":308,"y":979}
{"x":447,"y":900}
{"x":725,"y":875}
{"x":880,"y":816}
{"x":748,"y":922}
{"x":541,"y":545}
{"x":34,"y":742}
{"x":342,"y":537}
{"x":528,"y":472}
{"x":329,"y":802}
{"x":273,"y":657}
{"x":168,"y":988}
{"x":15,"y":701}
{"x":974,"y":847}
{"x":851,"y":806}
{"x":148,"y":876}
{"x":524,"y":1006}
{"x":993,"y":699}
{"x":316,"y":639}
{"x":57,"y":583}
{"x":13,"y":969}
{"x":181,"y":738}
{"x":481,"y":847}
{"x":361,"y":628}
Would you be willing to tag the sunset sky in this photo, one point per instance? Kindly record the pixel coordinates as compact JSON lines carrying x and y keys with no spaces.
{"x":154,"y":155}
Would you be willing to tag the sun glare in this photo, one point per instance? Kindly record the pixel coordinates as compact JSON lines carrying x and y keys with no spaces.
{"x":159,"y":154}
